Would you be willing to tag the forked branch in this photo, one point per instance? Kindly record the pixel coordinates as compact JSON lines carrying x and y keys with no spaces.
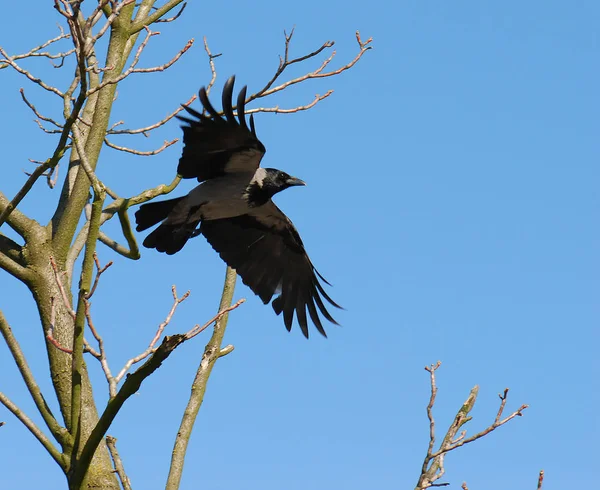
{"x":284,"y":62}
{"x":433,"y":464}
{"x":131,"y":386}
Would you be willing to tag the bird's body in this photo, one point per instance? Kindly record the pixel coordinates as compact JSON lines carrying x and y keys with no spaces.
{"x":232,"y":208}
{"x":221,"y":197}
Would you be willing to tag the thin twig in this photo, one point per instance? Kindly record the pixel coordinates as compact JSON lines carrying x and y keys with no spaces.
{"x":175,"y":17}
{"x":145,"y":130}
{"x":211,"y":63}
{"x":38,"y":81}
{"x":318,"y":98}
{"x":479,"y":435}
{"x":35,"y":52}
{"x":138,"y":25}
{"x":199,"y":329}
{"x":37,"y":113}
{"x":111,"y":443}
{"x":99,"y":272}
{"x":431,"y":369}
{"x":149,"y":153}
{"x":540,"y":480}
{"x":132,"y":68}
{"x":159,"y":331}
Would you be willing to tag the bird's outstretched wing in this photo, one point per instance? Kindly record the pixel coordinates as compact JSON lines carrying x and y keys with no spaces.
{"x":267,"y":252}
{"x":215,"y":146}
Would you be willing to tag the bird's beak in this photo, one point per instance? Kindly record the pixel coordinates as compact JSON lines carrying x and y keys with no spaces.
{"x":294,"y":181}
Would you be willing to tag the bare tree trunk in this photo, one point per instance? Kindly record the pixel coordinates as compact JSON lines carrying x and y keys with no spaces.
{"x":54,"y":315}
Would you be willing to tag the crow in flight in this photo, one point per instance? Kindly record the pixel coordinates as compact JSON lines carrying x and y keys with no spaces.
{"x":233,"y":207}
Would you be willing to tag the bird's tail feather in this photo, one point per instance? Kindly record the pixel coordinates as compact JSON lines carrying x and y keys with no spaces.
{"x":170,"y":238}
{"x":152,"y":213}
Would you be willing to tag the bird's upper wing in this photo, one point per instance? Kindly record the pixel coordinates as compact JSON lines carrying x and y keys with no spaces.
{"x":215,"y":146}
{"x":267,"y":252}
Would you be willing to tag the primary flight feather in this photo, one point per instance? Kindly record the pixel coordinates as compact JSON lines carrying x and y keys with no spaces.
{"x":233,"y":209}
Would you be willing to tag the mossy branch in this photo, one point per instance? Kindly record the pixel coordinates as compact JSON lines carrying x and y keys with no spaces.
{"x":59,"y":432}
{"x":34,"y":429}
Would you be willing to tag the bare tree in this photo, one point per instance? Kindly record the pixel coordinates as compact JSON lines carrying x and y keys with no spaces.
{"x":43,"y":256}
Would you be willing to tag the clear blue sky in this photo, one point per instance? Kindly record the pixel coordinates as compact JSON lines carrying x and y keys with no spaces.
{"x":452,"y":200}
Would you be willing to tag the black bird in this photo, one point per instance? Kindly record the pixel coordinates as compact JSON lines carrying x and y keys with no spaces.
{"x":235,"y":212}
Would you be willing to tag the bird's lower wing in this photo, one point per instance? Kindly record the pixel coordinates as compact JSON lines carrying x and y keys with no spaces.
{"x":267,"y":252}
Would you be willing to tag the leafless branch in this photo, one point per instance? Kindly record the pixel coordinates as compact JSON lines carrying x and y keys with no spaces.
{"x":100,"y":354}
{"x":83,"y":160}
{"x":138,"y":25}
{"x":38,"y":81}
{"x":199,"y":329}
{"x":277,"y":110}
{"x":61,"y":288}
{"x":35,"y":52}
{"x":37,"y":113}
{"x":433,"y":464}
{"x":111,"y":443}
{"x":95,"y":15}
{"x":540,"y":480}
{"x":150,"y":153}
{"x":131,"y":385}
{"x":228,"y":349}
{"x":147,"y":129}
{"x":71,"y":115}
{"x":497,"y":423}
{"x":211,"y":63}
{"x":212,"y":352}
{"x":133,"y":252}
{"x":33,"y":428}
{"x":132,"y":68}
{"x":431,"y":369}
{"x":284,"y":62}
{"x":111,"y":18}
{"x":59,"y":433}
{"x":51,"y":174}
{"x":67,"y":11}
{"x":117,"y":207}
{"x":159,"y":331}
{"x":175,"y":17}
{"x":99,"y":272}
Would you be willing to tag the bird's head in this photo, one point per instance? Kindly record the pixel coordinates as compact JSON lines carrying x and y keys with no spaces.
{"x":266,"y":183}
{"x":276,"y":180}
